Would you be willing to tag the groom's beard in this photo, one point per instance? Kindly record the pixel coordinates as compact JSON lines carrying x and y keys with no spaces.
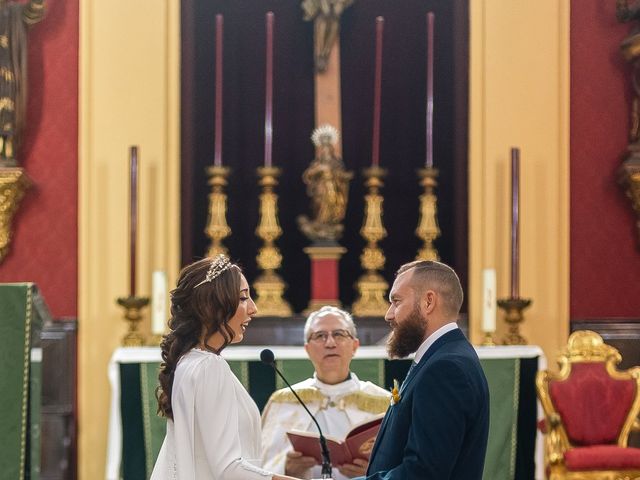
{"x":407,"y":336}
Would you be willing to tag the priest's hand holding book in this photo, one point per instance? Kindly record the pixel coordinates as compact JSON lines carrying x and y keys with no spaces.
{"x":350,"y":455}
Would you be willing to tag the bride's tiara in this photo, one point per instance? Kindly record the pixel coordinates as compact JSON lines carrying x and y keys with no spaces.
{"x":220,"y":264}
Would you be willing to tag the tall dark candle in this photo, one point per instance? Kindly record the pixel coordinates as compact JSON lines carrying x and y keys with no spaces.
{"x":515,"y":223}
{"x":375,"y":147}
{"x":429,"y":134}
{"x":268,"y":126}
{"x":133,"y":217}
{"x":217,"y":158}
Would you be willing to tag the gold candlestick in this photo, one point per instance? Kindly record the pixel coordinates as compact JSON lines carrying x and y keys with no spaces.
{"x":428,"y":229}
{"x":217,"y":228}
{"x":488,"y":340}
{"x":133,"y":315}
{"x":372,"y":288}
{"x":513,"y":308}
{"x":269,"y":285}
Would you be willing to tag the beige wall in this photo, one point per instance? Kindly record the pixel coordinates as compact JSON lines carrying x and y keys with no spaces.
{"x":519,"y":96}
{"x":129,"y":88}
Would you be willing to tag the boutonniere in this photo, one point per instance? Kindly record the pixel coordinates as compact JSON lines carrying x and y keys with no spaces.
{"x":395,"y":393}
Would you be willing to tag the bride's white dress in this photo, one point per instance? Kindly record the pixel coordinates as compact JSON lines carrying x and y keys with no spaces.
{"x":215,"y":432}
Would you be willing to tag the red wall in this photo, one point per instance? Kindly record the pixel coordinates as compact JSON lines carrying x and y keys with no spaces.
{"x":44,"y":249}
{"x":605,"y":258}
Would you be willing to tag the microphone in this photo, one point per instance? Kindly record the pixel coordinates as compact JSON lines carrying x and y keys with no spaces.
{"x":267,"y":356}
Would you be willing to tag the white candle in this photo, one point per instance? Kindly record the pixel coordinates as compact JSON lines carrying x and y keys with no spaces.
{"x":489,"y":300}
{"x":158,"y":302}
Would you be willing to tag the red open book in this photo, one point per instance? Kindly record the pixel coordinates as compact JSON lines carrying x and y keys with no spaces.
{"x":357,"y":444}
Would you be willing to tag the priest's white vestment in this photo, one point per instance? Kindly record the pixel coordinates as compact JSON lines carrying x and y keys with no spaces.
{"x":336,"y":407}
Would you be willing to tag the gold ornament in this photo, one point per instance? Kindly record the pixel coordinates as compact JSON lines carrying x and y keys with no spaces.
{"x":269,"y":285}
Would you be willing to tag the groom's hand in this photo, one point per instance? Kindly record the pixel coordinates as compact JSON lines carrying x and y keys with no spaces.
{"x":356,"y":469}
{"x":297,"y":464}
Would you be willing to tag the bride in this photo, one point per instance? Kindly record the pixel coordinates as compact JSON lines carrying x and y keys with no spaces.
{"x":213,"y":425}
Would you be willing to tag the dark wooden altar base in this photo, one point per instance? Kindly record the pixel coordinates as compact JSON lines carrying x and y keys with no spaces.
{"x":289,"y":331}
{"x":59,"y":384}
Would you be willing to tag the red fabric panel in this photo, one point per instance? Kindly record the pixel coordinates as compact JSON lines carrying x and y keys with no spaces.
{"x":592,"y":405}
{"x":602,"y":457}
{"x":45,"y":245}
{"x":324,"y":279}
{"x":605,"y":260}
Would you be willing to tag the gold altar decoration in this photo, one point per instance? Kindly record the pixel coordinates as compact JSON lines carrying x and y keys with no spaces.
{"x":269,"y":285}
{"x":133,"y":306}
{"x":326,"y":17}
{"x":372,"y":287}
{"x":217,"y":228}
{"x":629,"y":171}
{"x":14,"y":183}
{"x":15,"y":19}
{"x":327,"y":184}
{"x":487,"y":341}
{"x":428,"y":229}
{"x":514,"y":316}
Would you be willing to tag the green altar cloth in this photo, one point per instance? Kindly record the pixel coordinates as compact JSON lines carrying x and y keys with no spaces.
{"x":20,"y":381}
{"x":512,"y":436}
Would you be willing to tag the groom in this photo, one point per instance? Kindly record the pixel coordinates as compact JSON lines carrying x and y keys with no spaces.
{"x":438,"y":426}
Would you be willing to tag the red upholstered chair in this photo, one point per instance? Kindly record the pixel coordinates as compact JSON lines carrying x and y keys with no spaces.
{"x":590,"y":408}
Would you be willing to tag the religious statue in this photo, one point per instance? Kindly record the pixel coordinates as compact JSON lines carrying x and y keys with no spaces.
{"x":328,"y":186}
{"x":326,"y":14}
{"x":629,"y":171}
{"x":627,"y":11}
{"x":15,"y":18}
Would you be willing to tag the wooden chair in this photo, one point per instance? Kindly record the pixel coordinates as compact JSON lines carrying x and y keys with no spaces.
{"x":590,"y":409}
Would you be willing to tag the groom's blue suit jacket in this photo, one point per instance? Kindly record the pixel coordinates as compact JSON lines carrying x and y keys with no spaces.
{"x":439,"y":428}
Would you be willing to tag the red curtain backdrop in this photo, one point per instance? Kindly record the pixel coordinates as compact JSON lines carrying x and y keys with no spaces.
{"x":45,"y":242}
{"x":605,"y":259}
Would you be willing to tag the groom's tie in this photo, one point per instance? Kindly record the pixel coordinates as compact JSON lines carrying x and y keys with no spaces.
{"x":413,"y":364}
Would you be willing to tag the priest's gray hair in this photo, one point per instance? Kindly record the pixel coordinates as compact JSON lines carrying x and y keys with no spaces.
{"x":329,"y":310}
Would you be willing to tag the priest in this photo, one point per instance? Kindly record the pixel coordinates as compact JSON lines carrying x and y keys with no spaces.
{"x":334,"y":395}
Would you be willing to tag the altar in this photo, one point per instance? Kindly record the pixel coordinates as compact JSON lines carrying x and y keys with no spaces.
{"x":136,"y":432}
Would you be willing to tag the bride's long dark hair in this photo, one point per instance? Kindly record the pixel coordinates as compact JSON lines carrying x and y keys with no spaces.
{"x":197,"y":312}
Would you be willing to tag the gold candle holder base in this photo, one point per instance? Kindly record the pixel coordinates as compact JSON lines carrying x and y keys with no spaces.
{"x":13,"y":186}
{"x":372,"y":288}
{"x":269,"y":285}
{"x":133,"y":315}
{"x":217,"y":228}
{"x":371,"y":302}
{"x":154,"y":340}
{"x":270,"y":290}
{"x":428,"y":229}
{"x":488,"y":340}
{"x":513,"y":308}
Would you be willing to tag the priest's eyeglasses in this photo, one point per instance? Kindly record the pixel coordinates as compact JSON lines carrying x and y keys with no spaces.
{"x":321,"y":336}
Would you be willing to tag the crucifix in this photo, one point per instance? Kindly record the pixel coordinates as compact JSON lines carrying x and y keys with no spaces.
{"x":325,"y":15}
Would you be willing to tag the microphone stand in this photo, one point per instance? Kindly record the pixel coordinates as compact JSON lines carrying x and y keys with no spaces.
{"x":326,"y":459}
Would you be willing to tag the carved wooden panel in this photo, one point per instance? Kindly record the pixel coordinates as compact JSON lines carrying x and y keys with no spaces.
{"x":59,"y":412}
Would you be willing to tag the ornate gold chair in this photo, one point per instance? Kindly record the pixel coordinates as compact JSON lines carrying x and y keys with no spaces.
{"x":590,"y":408}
